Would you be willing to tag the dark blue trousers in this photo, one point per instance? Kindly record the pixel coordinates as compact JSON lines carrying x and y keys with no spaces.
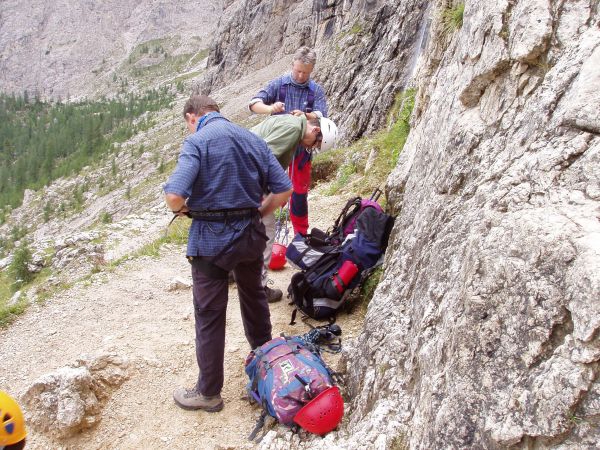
{"x":210,"y":306}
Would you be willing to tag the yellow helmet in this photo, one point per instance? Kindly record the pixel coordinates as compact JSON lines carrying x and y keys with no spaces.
{"x":12,"y":424}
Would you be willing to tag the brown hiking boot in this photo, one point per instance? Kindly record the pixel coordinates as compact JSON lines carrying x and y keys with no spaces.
{"x":191,"y":399}
{"x":273,"y":295}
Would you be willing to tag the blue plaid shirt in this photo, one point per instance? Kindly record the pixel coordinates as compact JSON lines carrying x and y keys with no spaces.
{"x":223,"y":166}
{"x":296,"y":95}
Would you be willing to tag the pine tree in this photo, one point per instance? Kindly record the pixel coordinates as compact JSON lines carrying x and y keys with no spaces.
{"x":18,"y":267}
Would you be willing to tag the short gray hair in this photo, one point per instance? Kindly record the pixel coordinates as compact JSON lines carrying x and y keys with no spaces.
{"x":306,"y":56}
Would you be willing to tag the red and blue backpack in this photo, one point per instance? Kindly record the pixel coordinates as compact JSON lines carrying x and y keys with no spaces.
{"x":285,"y":375}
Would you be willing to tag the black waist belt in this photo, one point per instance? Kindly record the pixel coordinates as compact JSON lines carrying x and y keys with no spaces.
{"x":221,"y":215}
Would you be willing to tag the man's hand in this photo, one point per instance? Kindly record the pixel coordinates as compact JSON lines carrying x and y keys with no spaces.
{"x":182,"y":211}
{"x":309,"y":116}
{"x":273,"y":201}
{"x":260,"y":108}
{"x":277,"y":107}
{"x":176,"y":204}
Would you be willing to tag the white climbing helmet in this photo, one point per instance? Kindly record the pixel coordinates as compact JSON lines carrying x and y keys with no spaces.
{"x":330,"y":132}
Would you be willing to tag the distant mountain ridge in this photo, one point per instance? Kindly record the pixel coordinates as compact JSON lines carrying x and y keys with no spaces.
{"x":79,"y":47}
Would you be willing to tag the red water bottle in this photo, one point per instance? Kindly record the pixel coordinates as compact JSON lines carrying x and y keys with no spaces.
{"x":347,"y":272}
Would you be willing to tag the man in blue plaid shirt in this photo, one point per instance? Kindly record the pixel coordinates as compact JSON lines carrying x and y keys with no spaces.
{"x":221,"y":175}
{"x":297,"y":94}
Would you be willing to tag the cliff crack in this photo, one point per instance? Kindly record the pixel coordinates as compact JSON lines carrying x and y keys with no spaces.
{"x":560,"y":330}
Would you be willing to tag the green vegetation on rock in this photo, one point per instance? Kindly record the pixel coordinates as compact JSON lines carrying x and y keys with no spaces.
{"x":452,"y":17}
{"x":160,"y":59}
{"x":18,"y":267}
{"x":366,"y":164}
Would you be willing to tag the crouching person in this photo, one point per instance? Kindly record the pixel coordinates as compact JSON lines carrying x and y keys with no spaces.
{"x":221,"y":174}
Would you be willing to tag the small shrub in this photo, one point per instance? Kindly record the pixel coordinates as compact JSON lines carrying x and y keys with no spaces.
{"x":356,"y":29}
{"x":399,"y":443}
{"x":452,"y":17}
{"x":16,"y":233}
{"x":9,"y":313}
{"x":105,"y":217}
{"x":18,"y":267}
{"x":47,"y":212}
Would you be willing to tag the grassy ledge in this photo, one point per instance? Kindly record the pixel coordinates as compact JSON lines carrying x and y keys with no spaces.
{"x":366,"y":164}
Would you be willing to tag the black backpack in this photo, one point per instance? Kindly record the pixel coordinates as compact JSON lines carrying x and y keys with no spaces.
{"x":338,"y":269}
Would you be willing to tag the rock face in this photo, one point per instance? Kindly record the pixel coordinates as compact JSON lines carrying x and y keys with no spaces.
{"x":69,"y":400}
{"x":485,"y":330}
{"x":70,"y":47}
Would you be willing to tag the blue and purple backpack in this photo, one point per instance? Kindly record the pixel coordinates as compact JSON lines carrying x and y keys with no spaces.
{"x":285,"y":374}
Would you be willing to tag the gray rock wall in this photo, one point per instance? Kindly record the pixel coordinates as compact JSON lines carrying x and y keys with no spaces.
{"x":485,"y":330}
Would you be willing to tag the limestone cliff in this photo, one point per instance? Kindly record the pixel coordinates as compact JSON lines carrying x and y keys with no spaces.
{"x":484,"y":332}
{"x":493,"y":281}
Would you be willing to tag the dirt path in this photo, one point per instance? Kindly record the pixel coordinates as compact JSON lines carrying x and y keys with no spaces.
{"x":131,"y":312}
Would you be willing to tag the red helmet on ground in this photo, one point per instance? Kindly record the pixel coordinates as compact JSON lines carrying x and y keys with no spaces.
{"x":323,"y":413}
{"x":277,"y":257}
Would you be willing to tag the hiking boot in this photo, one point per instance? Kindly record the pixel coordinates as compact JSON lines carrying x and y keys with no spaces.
{"x":191,"y":399}
{"x":273,"y":295}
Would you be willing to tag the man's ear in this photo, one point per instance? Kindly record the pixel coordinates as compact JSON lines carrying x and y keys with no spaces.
{"x":316,"y":130}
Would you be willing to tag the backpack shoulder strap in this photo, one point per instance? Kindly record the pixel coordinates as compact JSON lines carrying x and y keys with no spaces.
{"x":310,"y":100}
{"x":338,"y":225}
{"x":260,"y":423}
{"x":282,"y":92}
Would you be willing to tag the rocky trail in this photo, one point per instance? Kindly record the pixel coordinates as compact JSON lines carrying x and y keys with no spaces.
{"x":132,"y":314}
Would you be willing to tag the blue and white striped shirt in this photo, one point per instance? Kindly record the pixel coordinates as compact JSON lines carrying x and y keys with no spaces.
{"x":223,"y":166}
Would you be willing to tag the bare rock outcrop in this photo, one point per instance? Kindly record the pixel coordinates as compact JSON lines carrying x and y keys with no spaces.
{"x":73,"y":47}
{"x":179,"y":284}
{"x":69,"y":400}
{"x":485,"y":331}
